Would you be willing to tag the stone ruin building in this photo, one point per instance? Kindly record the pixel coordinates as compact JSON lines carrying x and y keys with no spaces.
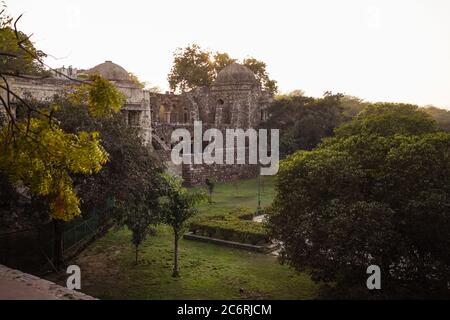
{"x":234,"y":100}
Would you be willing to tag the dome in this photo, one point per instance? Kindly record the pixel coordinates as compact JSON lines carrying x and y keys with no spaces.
{"x":111,"y":71}
{"x":235,"y":73}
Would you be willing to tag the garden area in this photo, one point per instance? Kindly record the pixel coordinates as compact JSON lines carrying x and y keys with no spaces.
{"x":207,"y":271}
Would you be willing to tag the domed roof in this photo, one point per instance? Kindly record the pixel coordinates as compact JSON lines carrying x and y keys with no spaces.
{"x":111,"y":71}
{"x":235,"y":73}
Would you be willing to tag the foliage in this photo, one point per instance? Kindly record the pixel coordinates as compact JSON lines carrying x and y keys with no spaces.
{"x":210,"y":184}
{"x":178,"y":206}
{"x":194,"y":67}
{"x":132,"y":178}
{"x":136,"y":80}
{"x":233,"y":226}
{"x":378,"y":193}
{"x":351,"y":106}
{"x":100,"y":95}
{"x":387,"y":119}
{"x":38,"y":153}
{"x":304,"y":120}
{"x":221,"y":60}
{"x":243,"y":213}
{"x":179,"y":203}
{"x":13,"y":59}
{"x":191,"y":68}
{"x":441,"y":116}
{"x":35,"y":151}
{"x":259,"y":69}
{"x":42,"y":157}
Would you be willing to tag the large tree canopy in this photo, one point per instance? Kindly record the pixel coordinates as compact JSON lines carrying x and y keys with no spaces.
{"x":441,"y":116}
{"x":304,"y":120}
{"x":194,"y":67}
{"x":35,"y":152}
{"x":377,"y":193}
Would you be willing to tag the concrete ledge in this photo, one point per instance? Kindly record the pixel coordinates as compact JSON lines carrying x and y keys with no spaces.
{"x":17,"y":285}
{"x":262,"y":249}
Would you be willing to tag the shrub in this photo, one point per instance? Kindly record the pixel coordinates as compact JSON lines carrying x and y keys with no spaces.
{"x":235,"y":226}
{"x":243,"y":213}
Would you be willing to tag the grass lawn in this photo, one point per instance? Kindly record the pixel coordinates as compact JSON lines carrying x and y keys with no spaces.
{"x":242,"y":193}
{"x":208,"y":271}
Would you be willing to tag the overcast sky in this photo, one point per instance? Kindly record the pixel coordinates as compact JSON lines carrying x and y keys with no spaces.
{"x":391,"y":50}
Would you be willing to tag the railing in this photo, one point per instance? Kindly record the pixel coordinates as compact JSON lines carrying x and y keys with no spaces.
{"x":31,"y":250}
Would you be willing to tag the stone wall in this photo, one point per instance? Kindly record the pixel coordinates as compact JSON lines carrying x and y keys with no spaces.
{"x":196,"y":174}
{"x":137,"y":100}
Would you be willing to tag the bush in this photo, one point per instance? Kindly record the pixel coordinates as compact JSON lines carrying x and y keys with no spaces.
{"x":243,"y":213}
{"x":235,"y":226}
{"x":377,"y":193}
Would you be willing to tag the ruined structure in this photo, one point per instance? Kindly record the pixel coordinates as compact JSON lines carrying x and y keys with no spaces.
{"x":234,"y":100}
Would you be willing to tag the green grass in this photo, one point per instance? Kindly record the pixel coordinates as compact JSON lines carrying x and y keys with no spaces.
{"x":208,"y":271}
{"x":242,"y":193}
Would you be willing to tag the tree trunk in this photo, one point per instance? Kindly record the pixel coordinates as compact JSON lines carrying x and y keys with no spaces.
{"x":58,"y":244}
{"x":176,"y":271}
{"x":136,"y":254}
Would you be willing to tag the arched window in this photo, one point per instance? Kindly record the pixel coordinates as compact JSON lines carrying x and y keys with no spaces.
{"x":226,"y":112}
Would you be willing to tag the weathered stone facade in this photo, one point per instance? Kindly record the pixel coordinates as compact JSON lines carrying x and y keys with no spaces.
{"x":235,"y":100}
{"x":137,"y":106}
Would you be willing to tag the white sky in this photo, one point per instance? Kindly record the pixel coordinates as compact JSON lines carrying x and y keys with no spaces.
{"x":391,"y":50}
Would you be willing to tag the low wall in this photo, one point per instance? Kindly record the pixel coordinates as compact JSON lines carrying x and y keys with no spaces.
{"x":196,"y":174}
{"x":17,"y":285}
{"x":238,"y":245}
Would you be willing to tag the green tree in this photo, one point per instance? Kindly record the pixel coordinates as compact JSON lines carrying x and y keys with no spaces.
{"x":191,"y":68}
{"x":351,"y":106}
{"x":132,"y":177}
{"x":305,"y":120}
{"x":36,"y":154}
{"x":441,"y":116}
{"x":210,"y":184}
{"x":388,"y":119}
{"x":140,"y":219}
{"x":178,"y":206}
{"x":136,"y":80}
{"x":194,"y":67}
{"x":17,"y":53}
{"x":376,"y":196}
{"x":220,"y":61}
{"x":259,"y":69}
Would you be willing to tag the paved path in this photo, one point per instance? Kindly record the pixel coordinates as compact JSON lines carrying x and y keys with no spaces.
{"x":260,"y":218}
{"x":17,"y":285}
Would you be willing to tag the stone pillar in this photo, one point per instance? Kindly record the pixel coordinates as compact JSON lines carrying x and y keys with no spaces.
{"x":146,"y":119}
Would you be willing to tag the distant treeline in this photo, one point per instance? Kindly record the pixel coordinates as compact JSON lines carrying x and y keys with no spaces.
{"x":304,"y":121}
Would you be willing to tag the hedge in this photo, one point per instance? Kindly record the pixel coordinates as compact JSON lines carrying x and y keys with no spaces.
{"x":235,"y":226}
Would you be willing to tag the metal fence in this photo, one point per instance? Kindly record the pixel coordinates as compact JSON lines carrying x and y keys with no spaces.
{"x":79,"y":231}
{"x":31,"y":250}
